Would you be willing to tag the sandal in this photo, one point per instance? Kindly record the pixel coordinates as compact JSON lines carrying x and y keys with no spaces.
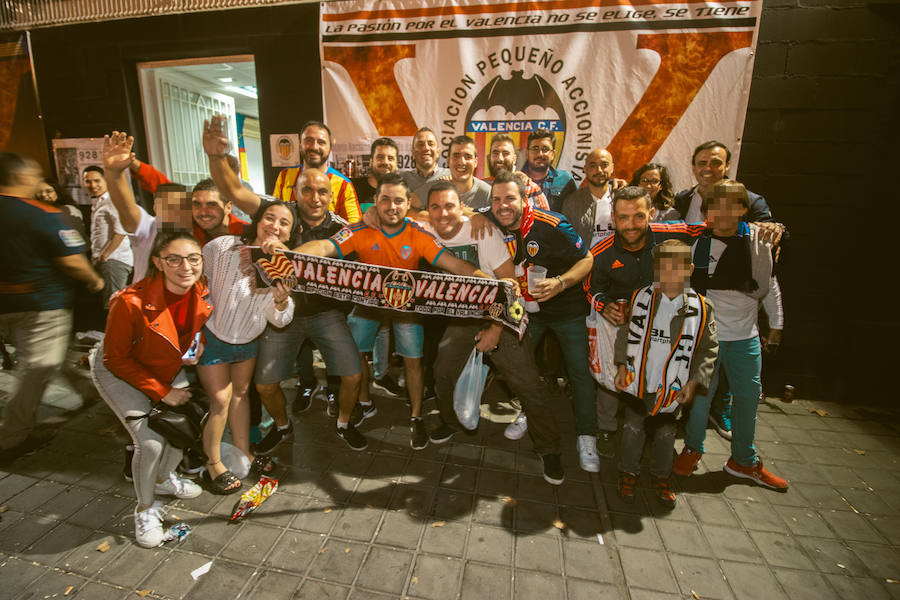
{"x":222,"y":485}
{"x":262,"y":465}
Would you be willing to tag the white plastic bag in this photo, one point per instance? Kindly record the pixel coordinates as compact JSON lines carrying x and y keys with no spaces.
{"x":234,"y":460}
{"x":469,"y":387}
{"x":602,"y":344}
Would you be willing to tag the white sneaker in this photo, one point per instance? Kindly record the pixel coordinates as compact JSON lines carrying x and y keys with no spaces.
{"x":517,"y":429}
{"x":148,"y":525}
{"x":178,"y":487}
{"x":587,"y":453}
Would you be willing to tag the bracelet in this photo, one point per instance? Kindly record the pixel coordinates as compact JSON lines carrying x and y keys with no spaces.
{"x":561,"y":281}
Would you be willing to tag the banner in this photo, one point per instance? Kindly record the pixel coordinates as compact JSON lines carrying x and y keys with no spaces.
{"x":395,"y":289}
{"x":649,"y":80}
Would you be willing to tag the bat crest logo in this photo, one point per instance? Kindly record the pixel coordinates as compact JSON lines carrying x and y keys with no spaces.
{"x":515,"y":106}
{"x":398,"y":289}
{"x":532,"y":248}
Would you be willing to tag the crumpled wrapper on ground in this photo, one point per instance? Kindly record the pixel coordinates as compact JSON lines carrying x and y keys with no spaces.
{"x":252,"y":498}
{"x":177,"y":532}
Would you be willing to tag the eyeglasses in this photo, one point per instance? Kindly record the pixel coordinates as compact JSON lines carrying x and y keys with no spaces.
{"x":174,"y":260}
{"x":649,"y":181}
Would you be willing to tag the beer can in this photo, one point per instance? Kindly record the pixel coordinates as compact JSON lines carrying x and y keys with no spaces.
{"x":622,"y":304}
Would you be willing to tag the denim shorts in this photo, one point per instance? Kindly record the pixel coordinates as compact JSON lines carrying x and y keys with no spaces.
{"x":217,"y":352}
{"x":409,"y":334}
{"x":328,"y":330}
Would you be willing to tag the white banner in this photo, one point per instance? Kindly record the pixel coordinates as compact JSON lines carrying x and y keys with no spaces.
{"x":648,"y":81}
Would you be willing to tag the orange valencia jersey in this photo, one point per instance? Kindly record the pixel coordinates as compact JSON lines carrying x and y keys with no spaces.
{"x":343,"y":197}
{"x":400,"y":250}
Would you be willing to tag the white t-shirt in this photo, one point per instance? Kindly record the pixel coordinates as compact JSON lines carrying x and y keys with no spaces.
{"x":488,"y":253}
{"x":142,"y":243}
{"x":694,"y":214}
{"x":660,"y":340}
{"x":104,"y":224}
{"x":736,"y":312}
{"x":603,"y":222}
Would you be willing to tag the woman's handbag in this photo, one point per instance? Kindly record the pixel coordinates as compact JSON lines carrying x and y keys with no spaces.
{"x":181,"y":426}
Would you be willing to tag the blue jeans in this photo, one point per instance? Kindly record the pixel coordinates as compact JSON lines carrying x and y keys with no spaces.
{"x":573,"y":339}
{"x":741,"y":361}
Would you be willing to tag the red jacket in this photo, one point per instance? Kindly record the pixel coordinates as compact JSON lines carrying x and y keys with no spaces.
{"x":141,"y":344}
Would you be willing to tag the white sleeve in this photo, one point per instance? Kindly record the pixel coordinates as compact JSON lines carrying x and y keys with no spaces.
{"x":279,"y":318}
{"x":773,"y":306}
{"x":145,"y":229}
{"x":494,"y":249}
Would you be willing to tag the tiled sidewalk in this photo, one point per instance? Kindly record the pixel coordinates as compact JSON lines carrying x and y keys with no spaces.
{"x":470,"y":519}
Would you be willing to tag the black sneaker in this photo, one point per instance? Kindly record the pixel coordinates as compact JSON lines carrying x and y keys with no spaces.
{"x":429,"y":393}
{"x":305,"y":394}
{"x":442,"y":434}
{"x":354,"y":438}
{"x":387,"y":385}
{"x":361,"y":412}
{"x":606,"y":444}
{"x":274,"y":438}
{"x":418,"y":436}
{"x":126,"y":470}
{"x":553,"y":469}
{"x":332,"y":399}
{"x":192,"y":463}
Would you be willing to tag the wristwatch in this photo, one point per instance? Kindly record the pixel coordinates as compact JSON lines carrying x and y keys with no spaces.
{"x":561,"y":281}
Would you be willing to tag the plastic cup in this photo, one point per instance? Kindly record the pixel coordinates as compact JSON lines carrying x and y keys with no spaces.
{"x":536,"y":274}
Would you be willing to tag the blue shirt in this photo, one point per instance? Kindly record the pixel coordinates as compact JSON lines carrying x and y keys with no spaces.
{"x":32,"y":235}
{"x":556,"y":186}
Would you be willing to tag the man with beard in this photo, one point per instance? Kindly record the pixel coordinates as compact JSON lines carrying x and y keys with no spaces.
{"x":503,"y":157}
{"x":589,"y":209}
{"x":555,"y":183}
{"x":315,"y":148}
{"x":538,"y":237}
{"x":425,"y":154}
{"x":399,"y":243}
{"x":383,"y":159}
{"x":462,"y":160}
{"x":623,"y":263}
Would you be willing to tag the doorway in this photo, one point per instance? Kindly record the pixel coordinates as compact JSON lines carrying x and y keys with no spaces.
{"x":178,"y":95}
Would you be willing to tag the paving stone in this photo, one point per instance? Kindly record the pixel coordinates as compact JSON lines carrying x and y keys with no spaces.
{"x":731,"y":544}
{"x":538,"y":553}
{"x":491,"y":510}
{"x":25,"y":532}
{"x":483,"y":581}
{"x":529,"y":487}
{"x":802,"y":585}
{"x":13,"y":484}
{"x":53,"y":583}
{"x":336,"y":563}
{"x":632,"y":530}
{"x":251,"y":543}
{"x":385,"y":570}
{"x":683,"y":538}
{"x":59,"y":542}
{"x":712,"y":511}
{"x":887,"y":526}
{"x":530,"y":585}
{"x":278,"y":511}
{"x":98,"y":591}
{"x":450,"y":539}
{"x":820,"y":496}
{"x":33,"y":496}
{"x":18,"y":574}
{"x":581,"y":523}
{"x":781,"y":550}
{"x":313,"y":589}
{"x":700,"y":575}
{"x":422,"y":472}
{"x":452,"y":505}
{"x":84,"y":558}
{"x":400,"y":530}
{"x":413,"y":499}
{"x":224,"y":580}
{"x":132,"y":565}
{"x":458,"y":477}
{"x":173,"y":576}
{"x":357,"y":524}
{"x":848,"y":525}
{"x":856,"y":587}
{"x":208,"y":536}
{"x":881,"y":561}
{"x":647,"y":569}
{"x":499,"y":458}
{"x":295,"y":551}
{"x":435,"y":578}
{"x":640,"y":594}
{"x":832,"y":556}
{"x":358,"y":594}
{"x":865,"y":501}
{"x":317,"y":516}
{"x":804,"y":521}
{"x":758,"y":516}
{"x":751,"y":582}
{"x":97,"y":512}
{"x":579,"y":589}
{"x":489,"y":544}
{"x":373,"y":492}
{"x":836,"y":475}
{"x":271,"y":585}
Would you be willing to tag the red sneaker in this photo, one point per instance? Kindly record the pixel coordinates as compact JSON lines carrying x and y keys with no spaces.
{"x":625,"y":487}
{"x":686,"y":462}
{"x":664,"y":494}
{"x":758,"y":474}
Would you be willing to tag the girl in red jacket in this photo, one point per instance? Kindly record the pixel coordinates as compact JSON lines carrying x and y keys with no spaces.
{"x":153,"y":330}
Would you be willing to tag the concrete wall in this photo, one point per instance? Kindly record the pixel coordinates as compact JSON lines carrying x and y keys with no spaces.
{"x":817,"y":144}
